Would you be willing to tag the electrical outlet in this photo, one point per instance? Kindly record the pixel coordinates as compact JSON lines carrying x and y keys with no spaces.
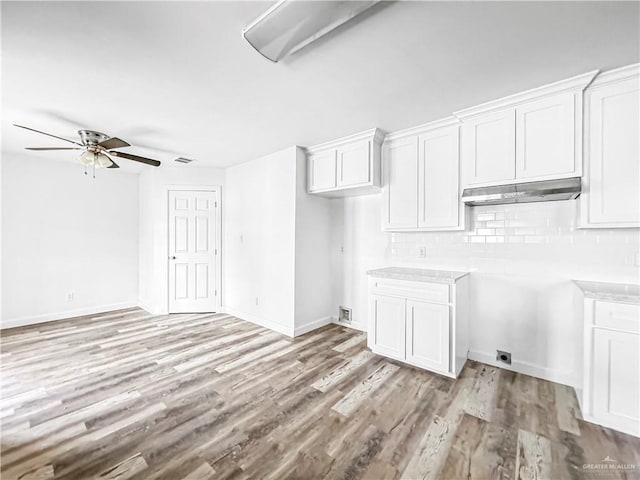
{"x":504,"y":357}
{"x":422,"y":252}
{"x":70,"y":296}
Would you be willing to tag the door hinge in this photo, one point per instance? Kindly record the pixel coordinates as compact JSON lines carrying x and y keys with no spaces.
{"x":215,"y":204}
{"x":216,"y":293}
{"x":215,"y":251}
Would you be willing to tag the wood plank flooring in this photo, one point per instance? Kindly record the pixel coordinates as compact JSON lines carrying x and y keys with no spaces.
{"x":129,"y":395}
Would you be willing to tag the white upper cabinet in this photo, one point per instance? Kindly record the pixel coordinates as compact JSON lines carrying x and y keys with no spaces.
{"x":438,"y":178}
{"x":400,"y":207}
{"x":349,"y":166}
{"x":545,"y":133}
{"x":611,"y":184}
{"x":322,"y":170}
{"x":354,"y":165}
{"x":534,"y":135}
{"x":489,"y":148}
{"x":421,"y":185}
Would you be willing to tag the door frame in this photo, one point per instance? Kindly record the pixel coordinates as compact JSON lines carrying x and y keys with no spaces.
{"x":217,"y":237}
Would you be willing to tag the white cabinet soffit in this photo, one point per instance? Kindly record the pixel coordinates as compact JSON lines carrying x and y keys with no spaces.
{"x":289,"y":25}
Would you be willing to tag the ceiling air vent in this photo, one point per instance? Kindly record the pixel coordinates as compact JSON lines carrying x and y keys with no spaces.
{"x":183,"y":160}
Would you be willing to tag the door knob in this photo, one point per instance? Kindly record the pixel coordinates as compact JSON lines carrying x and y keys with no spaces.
{"x":172,"y":258}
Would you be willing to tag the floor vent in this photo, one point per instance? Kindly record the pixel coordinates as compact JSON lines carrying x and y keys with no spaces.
{"x":344,"y":315}
{"x":504,"y":357}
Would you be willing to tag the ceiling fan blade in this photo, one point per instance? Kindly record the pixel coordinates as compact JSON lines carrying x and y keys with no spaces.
{"x":136,"y":158}
{"x":48,"y":134}
{"x":113,"y":164}
{"x":112,"y":143}
{"x":53,"y":148}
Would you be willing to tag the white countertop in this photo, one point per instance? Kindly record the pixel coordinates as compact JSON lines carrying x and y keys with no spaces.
{"x":611,"y":292}
{"x":417,"y":274}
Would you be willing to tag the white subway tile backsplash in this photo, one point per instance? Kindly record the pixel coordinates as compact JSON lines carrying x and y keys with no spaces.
{"x":538,"y":238}
{"x":495,"y":224}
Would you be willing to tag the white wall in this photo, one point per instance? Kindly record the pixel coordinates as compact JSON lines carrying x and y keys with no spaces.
{"x":358,"y":245}
{"x":523,"y":258}
{"x":260,"y":240}
{"x":313,"y":270}
{"x":154,"y":248}
{"x":64,"y":232}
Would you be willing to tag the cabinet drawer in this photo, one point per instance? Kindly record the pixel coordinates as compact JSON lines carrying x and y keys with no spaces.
{"x":431,"y":292}
{"x":620,"y":316}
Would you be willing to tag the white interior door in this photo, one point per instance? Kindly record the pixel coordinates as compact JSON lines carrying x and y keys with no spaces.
{"x":193,"y":280}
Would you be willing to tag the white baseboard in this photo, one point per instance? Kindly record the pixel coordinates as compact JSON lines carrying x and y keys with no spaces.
{"x":525,"y":368}
{"x":307,"y":327}
{"x":263,"y":322}
{"x":50,"y":317}
{"x":355,"y":325}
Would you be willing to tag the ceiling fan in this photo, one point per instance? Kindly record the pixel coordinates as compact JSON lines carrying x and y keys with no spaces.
{"x":97,"y":149}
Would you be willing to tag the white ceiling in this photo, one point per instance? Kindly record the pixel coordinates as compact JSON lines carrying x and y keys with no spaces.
{"x":179,"y":76}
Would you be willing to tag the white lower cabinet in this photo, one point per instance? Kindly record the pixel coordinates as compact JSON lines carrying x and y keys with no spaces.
{"x":427,"y":338}
{"x":612,"y":365}
{"x":388,"y":315}
{"x":420,"y":323}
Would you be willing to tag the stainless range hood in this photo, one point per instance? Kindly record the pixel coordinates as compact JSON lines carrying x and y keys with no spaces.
{"x":544,"y":191}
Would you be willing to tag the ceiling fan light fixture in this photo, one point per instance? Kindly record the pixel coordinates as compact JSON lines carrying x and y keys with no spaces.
{"x":90,"y":158}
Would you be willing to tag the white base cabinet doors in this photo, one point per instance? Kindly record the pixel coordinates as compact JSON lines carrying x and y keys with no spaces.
{"x":419,"y":323}
{"x":611,"y":189}
{"x":427,"y":335}
{"x":388,"y":326}
{"x":612,"y":365}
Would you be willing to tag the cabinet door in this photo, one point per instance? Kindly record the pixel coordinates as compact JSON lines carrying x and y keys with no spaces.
{"x":428,"y":335}
{"x":322,"y":170}
{"x":389,"y":326}
{"x":354,"y":164}
{"x":545,"y":138}
{"x":489,"y":148}
{"x":613,"y":150}
{"x":400,"y":184}
{"x":438,"y":185}
{"x":616,"y":379}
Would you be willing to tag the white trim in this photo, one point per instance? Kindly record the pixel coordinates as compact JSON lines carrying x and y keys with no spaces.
{"x":577,"y":84}
{"x":374,"y":134}
{"x":68,"y":314}
{"x":218,"y":258}
{"x":617,"y":75}
{"x":526,"y":368}
{"x":263,"y":322}
{"x":307,"y":327}
{"x":424,"y":128}
{"x":354,"y":325}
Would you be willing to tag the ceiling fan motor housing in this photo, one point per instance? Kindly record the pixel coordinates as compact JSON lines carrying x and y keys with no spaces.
{"x":91,"y":137}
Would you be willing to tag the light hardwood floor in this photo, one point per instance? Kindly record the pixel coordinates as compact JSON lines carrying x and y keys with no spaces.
{"x":130,"y":395}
